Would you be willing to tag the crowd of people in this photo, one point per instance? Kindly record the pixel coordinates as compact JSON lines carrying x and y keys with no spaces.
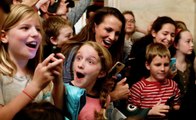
{"x":49,"y":72}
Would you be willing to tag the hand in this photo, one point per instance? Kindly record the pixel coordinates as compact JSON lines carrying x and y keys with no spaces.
{"x":159,"y":110}
{"x":58,"y":70}
{"x":43,"y":3}
{"x":44,"y":73}
{"x":121,"y":90}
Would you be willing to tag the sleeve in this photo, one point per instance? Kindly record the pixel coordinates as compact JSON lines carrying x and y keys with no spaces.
{"x":76,"y":12}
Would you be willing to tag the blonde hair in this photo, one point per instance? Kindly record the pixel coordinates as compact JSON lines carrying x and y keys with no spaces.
{"x":156,"y":49}
{"x":17,"y":13}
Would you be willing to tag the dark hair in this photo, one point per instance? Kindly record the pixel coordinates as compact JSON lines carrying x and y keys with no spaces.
{"x":91,"y":8}
{"x":160,"y":21}
{"x":39,"y":111}
{"x":88,"y":33}
{"x":5,"y":5}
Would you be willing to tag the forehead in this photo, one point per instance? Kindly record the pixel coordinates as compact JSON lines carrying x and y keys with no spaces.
{"x":159,"y":59}
{"x":87,"y":49}
{"x":128,"y":16}
{"x":168,"y":26}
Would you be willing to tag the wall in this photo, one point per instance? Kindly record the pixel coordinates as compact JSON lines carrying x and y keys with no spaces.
{"x":147,"y":10}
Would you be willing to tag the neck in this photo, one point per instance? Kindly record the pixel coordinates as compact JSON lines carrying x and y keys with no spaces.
{"x":128,"y":36}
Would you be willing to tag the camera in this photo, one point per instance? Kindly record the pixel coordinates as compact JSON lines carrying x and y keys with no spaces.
{"x":71,"y":3}
{"x":53,"y":8}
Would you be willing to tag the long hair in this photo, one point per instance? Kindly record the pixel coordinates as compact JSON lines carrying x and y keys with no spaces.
{"x":17,"y":13}
{"x":88,"y":33}
{"x":103,"y":86}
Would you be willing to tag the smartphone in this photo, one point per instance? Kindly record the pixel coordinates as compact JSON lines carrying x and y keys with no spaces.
{"x":71,"y":3}
{"x":55,"y":49}
{"x":116,"y":69}
{"x":173,"y":64}
{"x":53,"y":8}
{"x":170,"y":100}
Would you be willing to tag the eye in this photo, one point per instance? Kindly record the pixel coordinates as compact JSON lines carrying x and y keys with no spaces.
{"x":78,"y":58}
{"x":24,"y":28}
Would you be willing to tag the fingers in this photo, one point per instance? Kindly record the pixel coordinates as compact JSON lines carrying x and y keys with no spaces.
{"x":123,"y":81}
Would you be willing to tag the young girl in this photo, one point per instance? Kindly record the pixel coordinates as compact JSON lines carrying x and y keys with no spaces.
{"x":22,"y":77}
{"x":90,"y":67}
{"x":185,"y":77}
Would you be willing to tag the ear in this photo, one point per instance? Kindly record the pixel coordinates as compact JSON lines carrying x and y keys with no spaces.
{"x":153,"y":33}
{"x":176,"y":45}
{"x":53,"y":40}
{"x":102,"y":74}
{"x":147,"y":65}
{"x":3,"y":36}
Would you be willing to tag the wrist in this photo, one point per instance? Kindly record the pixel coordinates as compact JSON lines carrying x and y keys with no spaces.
{"x":31,"y":91}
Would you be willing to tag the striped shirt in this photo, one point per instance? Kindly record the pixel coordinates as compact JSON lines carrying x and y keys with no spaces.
{"x":146,"y":94}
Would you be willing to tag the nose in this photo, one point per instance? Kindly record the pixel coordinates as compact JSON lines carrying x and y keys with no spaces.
{"x":112,"y":36}
{"x":34,"y":32}
{"x":169,"y":37}
{"x":81,"y":64}
{"x":192,"y":44}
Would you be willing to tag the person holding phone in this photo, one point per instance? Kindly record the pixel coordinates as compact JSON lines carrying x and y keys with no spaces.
{"x":153,"y":92}
{"x":183,"y":47}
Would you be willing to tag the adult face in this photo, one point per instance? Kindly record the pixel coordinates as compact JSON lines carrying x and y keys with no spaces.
{"x":129,"y":24}
{"x":108,"y":31}
{"x":24,"y":38}
{"x":165,"y":35}
{"x":86,"y":67}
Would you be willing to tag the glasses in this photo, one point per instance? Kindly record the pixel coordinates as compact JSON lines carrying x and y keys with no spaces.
{"x":131,"y":21}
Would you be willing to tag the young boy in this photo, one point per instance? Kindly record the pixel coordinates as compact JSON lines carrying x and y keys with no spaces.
{"x":153,"y":92}
{"x":57,"y":31}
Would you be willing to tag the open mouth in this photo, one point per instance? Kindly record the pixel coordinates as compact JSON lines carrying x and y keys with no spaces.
{"x":106,"y":42}
{"x":32,"y":44}
{"x":80,"y":75}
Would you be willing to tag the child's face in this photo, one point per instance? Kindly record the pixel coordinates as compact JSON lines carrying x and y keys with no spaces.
{"x":65,"y":34}
{"x":159,"y":68}
{"x":86,"y":67}
{"x":185,"y":43}
{"x":24,"y":38}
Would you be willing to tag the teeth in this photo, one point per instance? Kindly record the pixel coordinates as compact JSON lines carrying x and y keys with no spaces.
{"x":107,"y":42}
{"x":32,"y":44}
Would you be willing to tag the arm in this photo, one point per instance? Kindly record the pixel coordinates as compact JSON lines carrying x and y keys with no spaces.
{"x":58,"y":89}
{"x":76,"y":12}
{"x":41,"y":78}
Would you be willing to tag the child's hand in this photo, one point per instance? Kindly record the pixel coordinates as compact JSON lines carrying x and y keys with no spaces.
{"x":159,"y":110}
{"x":44,"y":73}
{"x":58,"y":70}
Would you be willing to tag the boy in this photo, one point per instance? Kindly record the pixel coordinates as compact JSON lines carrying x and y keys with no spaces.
{"x":153,"y":92}
{"x":57,"y":31}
